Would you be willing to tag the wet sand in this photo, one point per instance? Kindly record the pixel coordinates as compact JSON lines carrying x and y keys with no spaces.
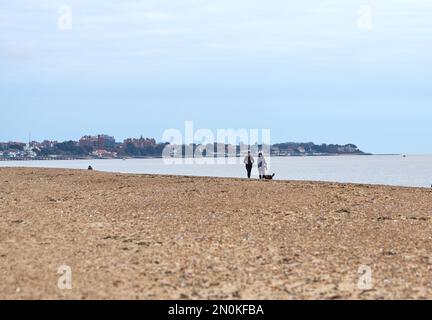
{"x":164,"y":237}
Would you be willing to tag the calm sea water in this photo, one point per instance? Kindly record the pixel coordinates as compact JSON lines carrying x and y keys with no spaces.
{"x":413,"y":170}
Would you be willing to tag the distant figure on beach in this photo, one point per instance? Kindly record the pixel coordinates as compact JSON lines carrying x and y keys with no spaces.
{"x":90,"y":168}
{"x":262,"y":165}
{"x":249,"y":161}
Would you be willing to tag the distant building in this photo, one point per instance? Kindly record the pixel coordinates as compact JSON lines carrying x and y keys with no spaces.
{"x":104,"y":154}
{"x":89,"y":141}
{"x":35,"y":144}
{"x":275,"y":151}
{"x":29,"y":152}
{"x":46,"y":144}
{"x":106,"y":142}
{"x":101,"y":142}
{"x":141,"y":142}
{"x":301,"y":149}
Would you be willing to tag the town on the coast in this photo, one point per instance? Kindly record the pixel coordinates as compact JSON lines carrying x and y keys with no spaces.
{"x":104,"y":146}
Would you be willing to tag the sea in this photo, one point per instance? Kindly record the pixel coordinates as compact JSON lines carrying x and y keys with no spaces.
{"x":396,"y":170}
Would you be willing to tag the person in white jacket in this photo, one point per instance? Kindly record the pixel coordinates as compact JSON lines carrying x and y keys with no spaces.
{"x":262,"y":165}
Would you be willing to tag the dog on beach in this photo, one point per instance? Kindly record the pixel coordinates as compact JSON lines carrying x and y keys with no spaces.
{"x":268,"y":177}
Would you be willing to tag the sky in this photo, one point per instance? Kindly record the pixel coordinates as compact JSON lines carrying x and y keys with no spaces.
{"x":326,"y":71}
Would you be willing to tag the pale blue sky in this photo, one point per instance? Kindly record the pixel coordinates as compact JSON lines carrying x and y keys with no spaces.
{"x":303,"y":69}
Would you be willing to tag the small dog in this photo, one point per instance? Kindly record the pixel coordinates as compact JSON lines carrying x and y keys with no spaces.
{"x":268,"y":177}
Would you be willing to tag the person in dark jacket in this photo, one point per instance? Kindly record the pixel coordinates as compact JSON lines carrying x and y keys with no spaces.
{"x":249,"y":161}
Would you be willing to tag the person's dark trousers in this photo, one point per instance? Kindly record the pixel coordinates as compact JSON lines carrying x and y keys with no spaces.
{"x":249,"y":170}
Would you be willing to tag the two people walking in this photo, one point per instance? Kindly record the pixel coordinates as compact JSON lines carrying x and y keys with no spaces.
{"x":249,"y":162}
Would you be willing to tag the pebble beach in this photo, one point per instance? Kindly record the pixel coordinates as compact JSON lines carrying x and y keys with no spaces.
{"x":127,"y":236}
